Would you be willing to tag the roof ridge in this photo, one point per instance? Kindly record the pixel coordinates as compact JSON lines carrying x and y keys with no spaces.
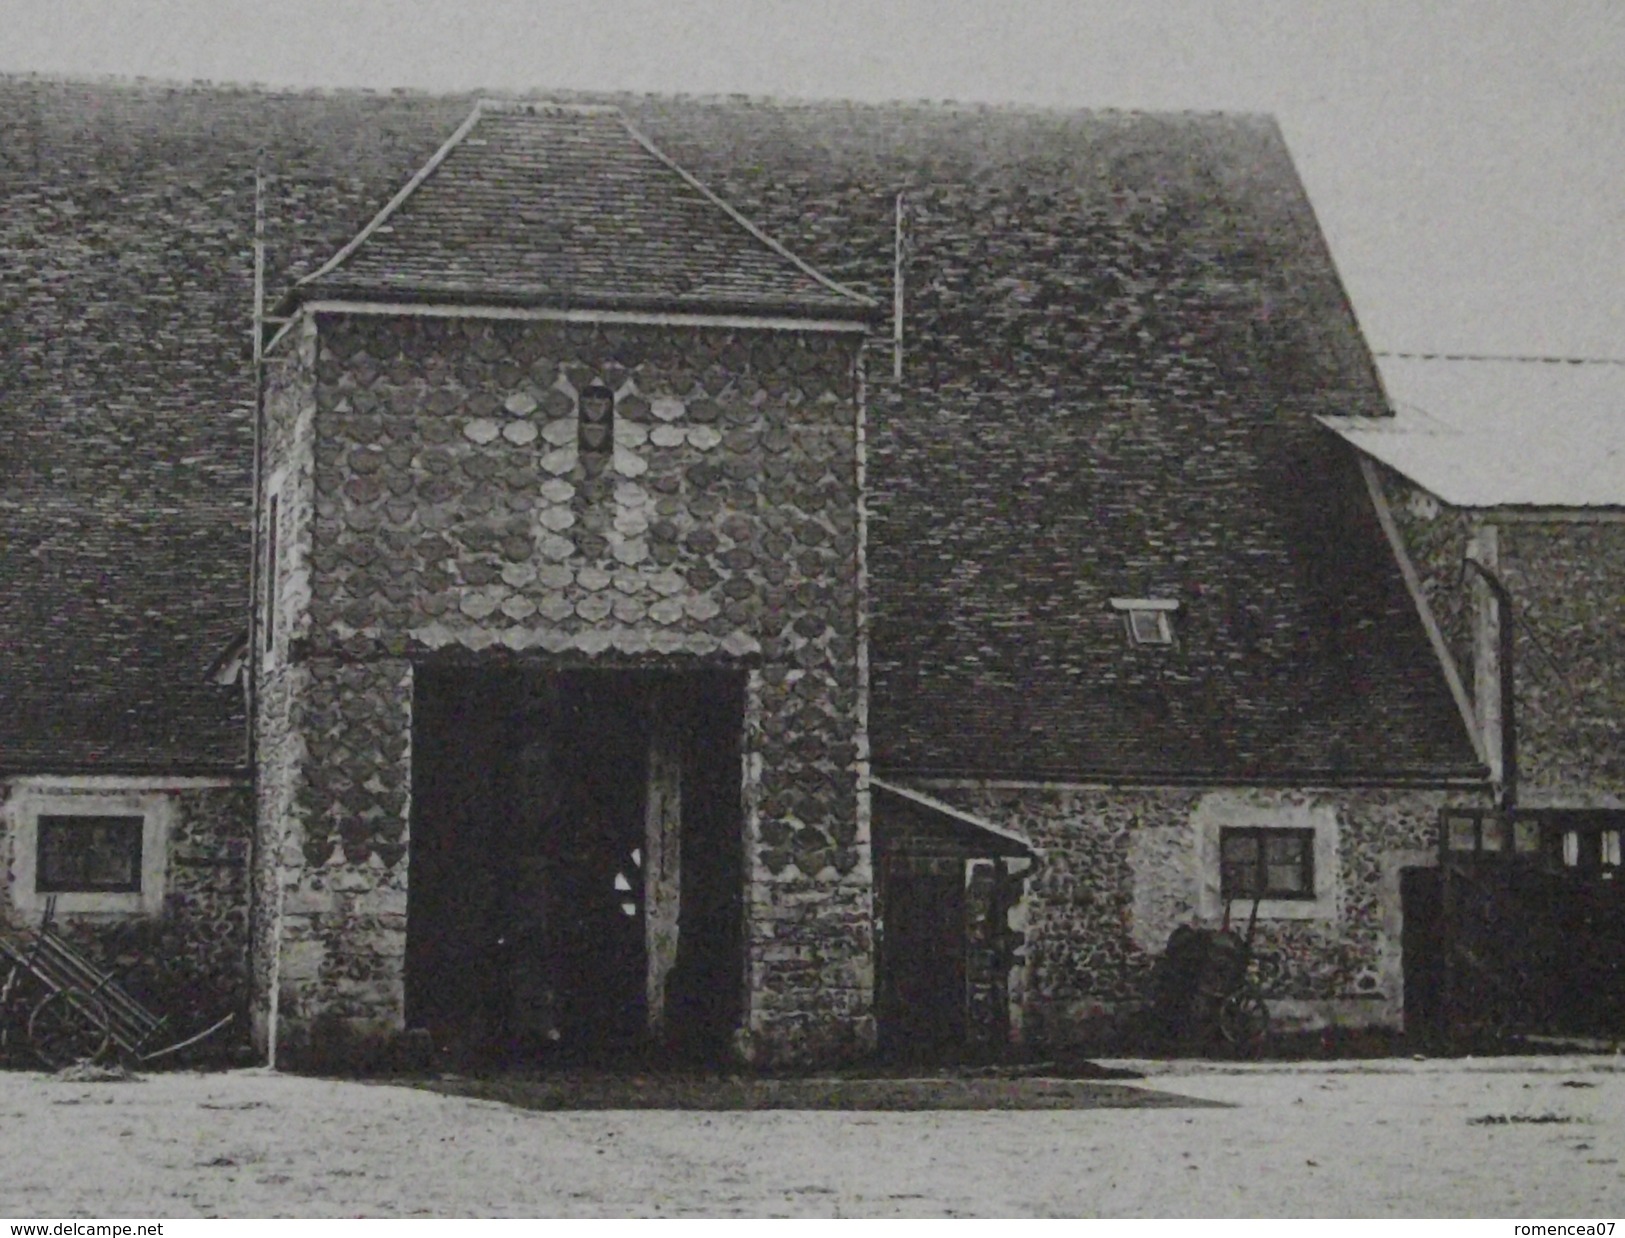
{"x":215,"y":86}
{"x":554,"y":95}
{"x":804,"y":267}
{"x":1516,"y":358}
{"x":513,"y":103}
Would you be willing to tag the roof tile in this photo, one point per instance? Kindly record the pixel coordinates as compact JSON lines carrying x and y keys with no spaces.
{"x":543,"y":204}
{"x":1119,"y":330}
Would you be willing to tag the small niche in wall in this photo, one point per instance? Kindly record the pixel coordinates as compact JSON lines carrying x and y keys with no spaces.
{"x":596,"y":424}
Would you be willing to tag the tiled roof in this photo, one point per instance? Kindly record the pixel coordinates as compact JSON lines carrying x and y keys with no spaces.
{"x":909,"y":813}
{"x":126,"y":404}
{"x":110,"y":615}
{"x":545,"y":204}
{"x":1484,"y":432}
{"x":1119,"y":331}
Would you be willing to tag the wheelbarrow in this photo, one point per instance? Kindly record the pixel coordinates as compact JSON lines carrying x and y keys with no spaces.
{"x":62,"y":1008}
{"x":1204,"y":984}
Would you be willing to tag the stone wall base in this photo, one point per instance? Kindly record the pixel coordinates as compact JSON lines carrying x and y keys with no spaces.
{"x":331,"y":1045}
{"x":1294,"y":1015}
{"x":790,"y":1042}
{"x":1117,"y":1026}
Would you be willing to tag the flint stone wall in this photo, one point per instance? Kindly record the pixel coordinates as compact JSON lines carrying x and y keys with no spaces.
{"x":1567,"y":581}
{"x":1121,"y":868}
{"x":189,"y":960}
{"x":452,"y":516}
{"x":1566,"y":578}
{"x":281,"y":684}
{"x":1435,"y":536}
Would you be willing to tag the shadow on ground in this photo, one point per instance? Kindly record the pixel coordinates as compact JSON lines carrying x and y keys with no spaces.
{"x":590,"y":1090}
{"x":1066,"y":1080}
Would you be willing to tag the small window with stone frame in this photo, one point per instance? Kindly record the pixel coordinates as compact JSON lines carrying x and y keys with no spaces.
{"x":1261,"y":862}
{"x":88,"y":854}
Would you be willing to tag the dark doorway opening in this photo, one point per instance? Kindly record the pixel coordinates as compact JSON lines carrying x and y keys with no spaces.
{"x":575,"y":862}
{"x":1421,"y":957}
{"x":946,"y":886}
{"x":922,"y":994}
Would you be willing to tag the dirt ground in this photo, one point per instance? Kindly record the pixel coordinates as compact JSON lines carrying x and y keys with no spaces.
{"x":1530,"y":1138}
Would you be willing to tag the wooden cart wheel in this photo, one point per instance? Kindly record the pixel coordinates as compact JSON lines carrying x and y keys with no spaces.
{"x":69,"y":1026}
{"x":1244,"y":1019}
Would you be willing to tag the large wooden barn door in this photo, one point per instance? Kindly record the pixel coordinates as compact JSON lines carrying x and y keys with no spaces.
{"x":576,"y":862}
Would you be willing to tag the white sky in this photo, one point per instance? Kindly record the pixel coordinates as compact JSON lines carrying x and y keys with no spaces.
{"x":1467,"y":160}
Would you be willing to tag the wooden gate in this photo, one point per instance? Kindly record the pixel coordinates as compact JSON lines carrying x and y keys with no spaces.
{"x":1532,"y":923}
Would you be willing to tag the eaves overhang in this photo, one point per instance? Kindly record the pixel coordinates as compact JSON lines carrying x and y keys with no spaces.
{"x":146,"y":770}
{"x":449,"y":301}
{"x":1474,"y":777}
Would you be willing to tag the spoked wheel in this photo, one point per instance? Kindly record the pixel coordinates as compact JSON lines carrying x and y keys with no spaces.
{"x":69,"y":1026}
{"x":1244,"y":1019}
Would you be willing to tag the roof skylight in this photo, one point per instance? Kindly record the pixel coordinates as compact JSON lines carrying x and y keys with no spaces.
{"x":1149,"y":621}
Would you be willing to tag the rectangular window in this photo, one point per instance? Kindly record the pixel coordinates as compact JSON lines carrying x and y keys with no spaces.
{"x":1589,"y":851}
{"x":1149,"y":620}
{"x":1149,"y":627}
{"x":1266,"y":863}
{"x":84,"y":854}
{"x":1586,"y":841}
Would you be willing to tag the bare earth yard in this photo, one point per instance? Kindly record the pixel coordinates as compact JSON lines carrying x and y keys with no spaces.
{"x":1525,"y":1137}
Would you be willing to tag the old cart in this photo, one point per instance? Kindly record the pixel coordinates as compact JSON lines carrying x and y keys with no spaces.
{"x":1204,"y":984}
{"x":56,"y":1004}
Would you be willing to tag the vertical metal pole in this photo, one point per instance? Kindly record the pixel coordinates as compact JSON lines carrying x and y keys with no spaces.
{"x":1506,"y":651}
{"x":897,"y":290}
{"x":259,"y":258}
{"x":251,"y":661}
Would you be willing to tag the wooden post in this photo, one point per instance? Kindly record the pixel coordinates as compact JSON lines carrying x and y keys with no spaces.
{"x":1483,"y":549}
{"x":662,"y":861}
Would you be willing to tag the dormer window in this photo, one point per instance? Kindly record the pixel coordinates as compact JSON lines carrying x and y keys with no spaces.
{"x":1149,"y":621}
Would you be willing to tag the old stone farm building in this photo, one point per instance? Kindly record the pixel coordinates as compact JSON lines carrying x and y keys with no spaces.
{"x":759,"y":579}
